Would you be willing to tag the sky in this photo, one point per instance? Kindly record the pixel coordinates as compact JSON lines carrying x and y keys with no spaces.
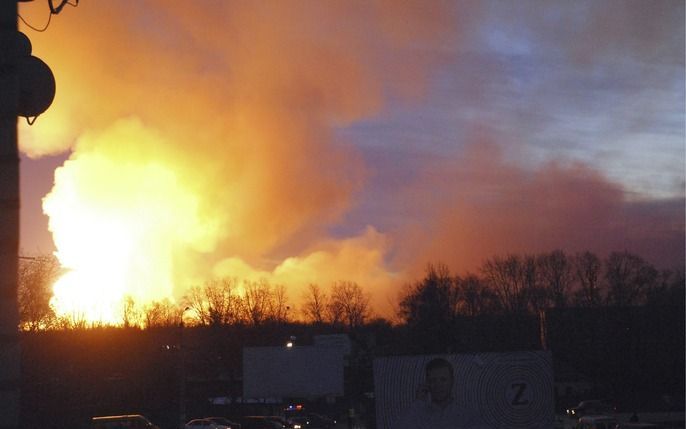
{"x":317,"y":141}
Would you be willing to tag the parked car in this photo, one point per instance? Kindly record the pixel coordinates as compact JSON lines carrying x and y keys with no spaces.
{"x":280,"y":421}
{"x":311,"y":421}
{"x":318,"y":421}
{"x":639,"y":426}
{"x":300,"y":422}
{"x":258,"y":422}
{"x":204,"y":424}
{"x":591,"y":407}
{"x":596,"y":422}
{"x":127,"y":421}
{"x":225,"y":422}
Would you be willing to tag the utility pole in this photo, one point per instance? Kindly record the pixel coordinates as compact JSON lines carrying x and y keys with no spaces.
{"x":10,"y":353}
{"x":27,"y":88}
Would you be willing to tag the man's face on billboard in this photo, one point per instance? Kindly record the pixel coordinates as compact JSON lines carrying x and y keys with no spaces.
{"x":440,"y":383}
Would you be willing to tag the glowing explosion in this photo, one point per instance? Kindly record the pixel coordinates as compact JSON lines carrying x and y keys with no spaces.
{"x":228,"y":163}
{"x":116,"y":224}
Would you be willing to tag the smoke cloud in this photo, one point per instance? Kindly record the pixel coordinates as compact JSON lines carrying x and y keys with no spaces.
{"x":204,"y":141}
{"x":481,"y":205}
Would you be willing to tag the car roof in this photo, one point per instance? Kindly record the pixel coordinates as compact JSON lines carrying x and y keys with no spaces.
{"x":640,"y":425}
{"x":121,"y":417}
{"x":599,"y":418}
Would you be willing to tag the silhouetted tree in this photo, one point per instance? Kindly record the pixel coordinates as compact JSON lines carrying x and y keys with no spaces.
{"x":536,"y":293}
{"x":587,"y":270}
{"x":314,"y":304}
{"x":256,"y":302}
{"x":222,"y":302}
{"x":668,"y":290}
{"x":474,"y":297}
{"x":36,"y":277}
{"x":74,"y":321}
{"x":334,"y":312}
{"x":278,"y":305}
{"x":428,"y":309}
{"x":196,"y":302}
{"x":131,"y":316}
{"x":354,"y":303}
{"x":556,"y":275}
{"x":162,"y":314}
{"x":429,"y":302}
{"x":215,"y":303}
{"x":509,"y":278}
{"x":628,"y":277}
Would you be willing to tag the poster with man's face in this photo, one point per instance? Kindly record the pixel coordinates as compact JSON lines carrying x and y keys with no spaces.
{"x":484,"y":390}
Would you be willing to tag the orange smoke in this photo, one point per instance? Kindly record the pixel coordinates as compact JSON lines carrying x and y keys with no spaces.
{"x":205,"y":142}
{"x":202,"y":139}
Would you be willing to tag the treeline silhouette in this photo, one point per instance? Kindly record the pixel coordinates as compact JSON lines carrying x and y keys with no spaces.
{"x":516,"y":284}
{"x":507,"y":285}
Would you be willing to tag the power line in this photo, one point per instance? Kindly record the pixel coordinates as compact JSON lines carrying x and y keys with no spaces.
{"x":54,"y":10}
{"x":58,"y":9}
{"x":47,"y":24}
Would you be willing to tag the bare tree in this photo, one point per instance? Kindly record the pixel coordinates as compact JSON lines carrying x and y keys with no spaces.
{"x":162,"y":314}
{"x":474,"y":297}
{"x":334,"y":312}
{"x":314,"y":305}
{"x":215,"y":303}
{"x":73,"y":321}
{"x":536,"y":294}
{"x":555,"y":271}
{"x":507,"y":277}
{"x":222,"y":303}
{"x":256,"y":301}
{"x":628,"y":278}
{"x":278,"y":304}
{"x":587,"y":268}
{"x":353,"y":301}
{"x":131,"y":316}
{"x":36,"y":278}
{"x":196,"y":301}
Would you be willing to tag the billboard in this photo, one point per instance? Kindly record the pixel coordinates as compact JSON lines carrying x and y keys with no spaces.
{"x":299,"y":372}
{"x":484,"y":390}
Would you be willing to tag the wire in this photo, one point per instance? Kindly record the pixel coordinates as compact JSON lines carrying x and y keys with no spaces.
{"x":47,"y":24}
{"x":53,"y":11}
{"x":58,"y":9}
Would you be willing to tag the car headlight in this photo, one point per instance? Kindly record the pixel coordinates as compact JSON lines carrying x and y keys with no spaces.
{"x":296,"y":426}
